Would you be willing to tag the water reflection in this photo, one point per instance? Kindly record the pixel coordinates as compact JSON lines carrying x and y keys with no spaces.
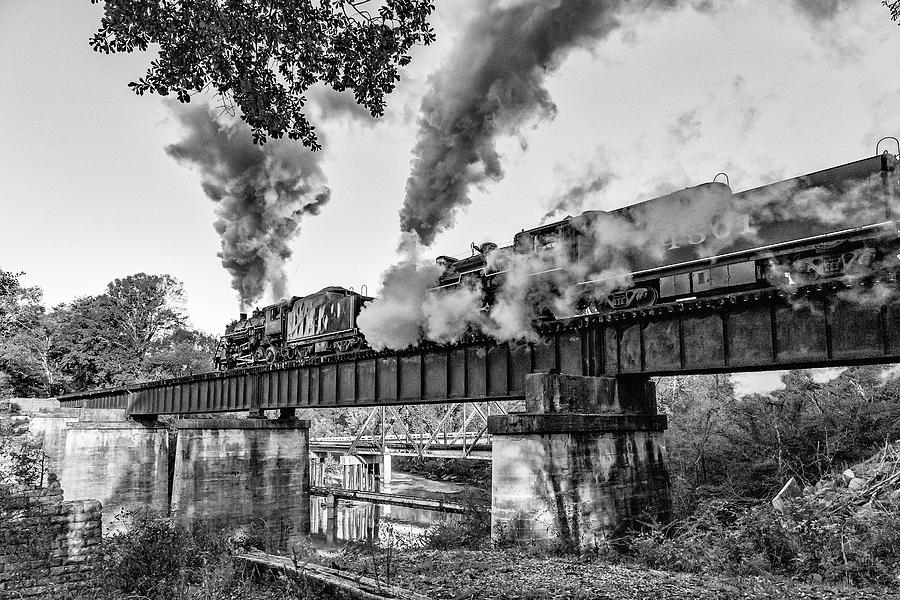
{"x":366,"y":521}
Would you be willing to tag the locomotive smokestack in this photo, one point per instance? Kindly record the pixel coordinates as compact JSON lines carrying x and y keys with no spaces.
{"x":261,"y":194}
{"x":243,"y":316}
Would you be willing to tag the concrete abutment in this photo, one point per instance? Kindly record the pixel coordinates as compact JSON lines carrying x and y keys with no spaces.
{"x":123,"y":464}
{"x":583,"y":463}
{"x":241,"y":472}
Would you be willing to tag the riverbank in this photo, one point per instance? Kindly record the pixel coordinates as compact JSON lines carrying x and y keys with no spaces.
{"x":458,"y":470}
{"x":505,"y":574}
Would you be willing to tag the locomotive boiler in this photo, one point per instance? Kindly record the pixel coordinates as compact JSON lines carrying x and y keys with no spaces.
{"x":838,"y":224}
{"x":319,"y":324}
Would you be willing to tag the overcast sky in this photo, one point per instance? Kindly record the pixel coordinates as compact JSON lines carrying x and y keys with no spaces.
{"x":762,"y":90}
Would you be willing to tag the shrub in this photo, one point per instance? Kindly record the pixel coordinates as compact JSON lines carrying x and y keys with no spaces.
{"x":157,"y":558}
{"x":814,"y":539}
{"x":471,"y":530}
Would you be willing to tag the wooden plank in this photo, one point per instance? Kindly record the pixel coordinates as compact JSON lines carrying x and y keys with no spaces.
{"x":356,"y":586}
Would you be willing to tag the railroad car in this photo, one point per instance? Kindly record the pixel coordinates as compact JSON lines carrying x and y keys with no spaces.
{"x":835,"y":224}
{"x":304,"y":326}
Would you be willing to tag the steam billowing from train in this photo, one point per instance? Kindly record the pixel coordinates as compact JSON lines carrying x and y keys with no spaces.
{"x":262,"y":193}
{"x":494,"y":85}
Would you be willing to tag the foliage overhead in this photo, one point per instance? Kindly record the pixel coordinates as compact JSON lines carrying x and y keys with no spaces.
{"x":262,"y":55}
{"x":894,"y":7}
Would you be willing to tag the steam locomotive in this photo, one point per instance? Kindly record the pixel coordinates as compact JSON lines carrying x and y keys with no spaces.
{"x":835,"y":225}
{"x":319,"y":324}
{"x":838,"y":224}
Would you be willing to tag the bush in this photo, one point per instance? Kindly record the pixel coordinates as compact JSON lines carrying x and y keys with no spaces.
{"x":157,"y":558}
{"x":467,"y":470}
{"x":815,"y":539}
{"x":472,"y":530}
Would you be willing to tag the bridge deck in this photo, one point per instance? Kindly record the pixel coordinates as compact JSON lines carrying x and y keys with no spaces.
{"x":749,"y":331}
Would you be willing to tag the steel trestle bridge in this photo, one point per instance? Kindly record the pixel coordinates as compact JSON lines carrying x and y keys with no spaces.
{"x":748,"y":331}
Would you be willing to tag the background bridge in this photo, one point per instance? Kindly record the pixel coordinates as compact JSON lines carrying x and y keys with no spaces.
{"x":456,"y":431}
{"x":758,"y":330}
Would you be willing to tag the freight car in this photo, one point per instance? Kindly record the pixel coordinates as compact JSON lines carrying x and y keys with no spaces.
{"x":838,"y":224}
{"x":316,"y":325}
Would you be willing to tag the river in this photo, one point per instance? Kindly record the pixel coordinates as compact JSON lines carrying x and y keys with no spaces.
{"x":366,"y":521}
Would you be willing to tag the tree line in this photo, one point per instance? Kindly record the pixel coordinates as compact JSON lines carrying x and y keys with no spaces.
{"x":721,"y":445}
{"x":136,"y":330}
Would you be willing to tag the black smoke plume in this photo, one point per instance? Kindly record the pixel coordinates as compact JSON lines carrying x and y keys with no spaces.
{"x":261,"y":193}
{"x":494,"y":84}
{"x":822,"y":10}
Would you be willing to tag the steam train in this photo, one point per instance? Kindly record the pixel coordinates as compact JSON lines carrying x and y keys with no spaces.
{"x":838,"y":224}
{"x":835,"y":225}
{"x":294,"y":329}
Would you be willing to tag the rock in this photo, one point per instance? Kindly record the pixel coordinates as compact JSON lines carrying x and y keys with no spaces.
{"x":856,"y":484}
{"x":849,"y":476}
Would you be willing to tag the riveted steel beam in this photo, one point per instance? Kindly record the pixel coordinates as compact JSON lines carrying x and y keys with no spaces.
{"x":751,"y":331}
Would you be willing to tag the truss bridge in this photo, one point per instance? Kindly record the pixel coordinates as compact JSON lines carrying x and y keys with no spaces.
{"x":451,"y":431}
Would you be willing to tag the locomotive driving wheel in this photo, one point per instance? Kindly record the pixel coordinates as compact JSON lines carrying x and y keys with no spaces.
{"x":271,"y":355}
{"x":259,"y":355}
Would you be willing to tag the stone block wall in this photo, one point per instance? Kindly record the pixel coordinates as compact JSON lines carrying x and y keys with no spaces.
{"x":46,"y":543}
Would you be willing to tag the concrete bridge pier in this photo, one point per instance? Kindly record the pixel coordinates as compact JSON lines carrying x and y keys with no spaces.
{"x":317,"y":462}
{"x":243,"y":472}
{"x":120,"y":462}
{"x":365,"y":472}
{"x":583,"y":463}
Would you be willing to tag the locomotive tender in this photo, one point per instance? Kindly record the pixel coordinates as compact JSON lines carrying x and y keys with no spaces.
{"x":839,"y":225}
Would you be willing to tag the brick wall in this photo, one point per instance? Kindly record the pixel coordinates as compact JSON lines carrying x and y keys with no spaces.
{"x":46,"y":543}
